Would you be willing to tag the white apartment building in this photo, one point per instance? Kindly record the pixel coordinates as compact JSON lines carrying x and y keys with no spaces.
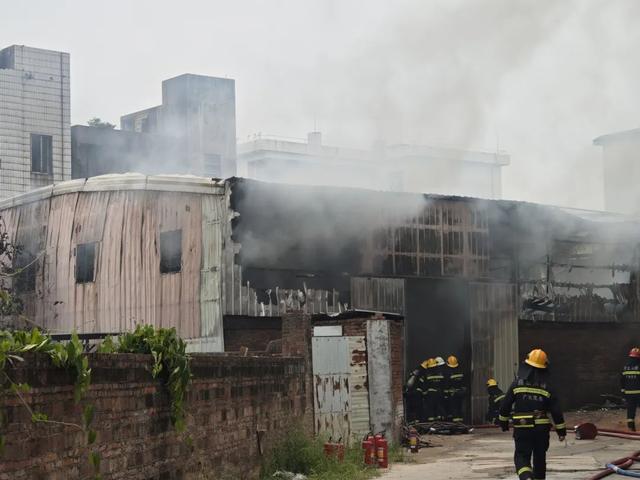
{"x":35,"y":134}
{"x":400,"y":168}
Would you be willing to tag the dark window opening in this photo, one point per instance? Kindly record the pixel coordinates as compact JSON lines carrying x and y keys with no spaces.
{"x":26,"y":268}
{"x":85,"y":262}
{"x":170,"y":251}
{"x":41,"y":154}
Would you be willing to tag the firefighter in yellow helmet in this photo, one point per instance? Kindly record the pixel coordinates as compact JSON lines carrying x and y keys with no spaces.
{"x":495,"y":399}
{"x":455,"y":390}
{"x":630,"y":386}
{"x":533,"y":399}
{"x":414,"y":392}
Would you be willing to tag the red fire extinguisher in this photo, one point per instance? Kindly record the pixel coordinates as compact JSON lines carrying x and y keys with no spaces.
{"x":369,"y":447}
{"x":382,"y":451}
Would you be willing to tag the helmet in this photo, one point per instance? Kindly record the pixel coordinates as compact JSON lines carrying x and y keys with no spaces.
{"x":492,"y":382}
{"x":635,"y":352}
{"x":427,"y":363}
{"x":452,"y":361}
{"x":439,"y":361}
{"x":537,"y":358}
{"x":432,"y":363}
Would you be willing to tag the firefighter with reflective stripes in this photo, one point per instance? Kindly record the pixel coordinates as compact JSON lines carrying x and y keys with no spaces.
{"x":435,"y":386}
{"x":630,"y":386}
{"x":495,"y":399}
{"x":455,"y":390}
{"x":414,"y":392}
{"x":533,"y":399}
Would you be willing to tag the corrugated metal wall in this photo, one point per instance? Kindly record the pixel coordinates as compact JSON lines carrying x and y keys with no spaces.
{"x":494,"y":340}
{"x":359,"y":387}
{"x":128,"y":287}
{"x":378,"y":294}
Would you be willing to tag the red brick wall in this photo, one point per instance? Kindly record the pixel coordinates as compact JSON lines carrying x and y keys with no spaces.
{"x":255,"y":333}
{"x":230,"y":398}
{"x":586,"y":358}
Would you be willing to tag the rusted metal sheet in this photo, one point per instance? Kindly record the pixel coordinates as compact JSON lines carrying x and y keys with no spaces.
{"x":210,"y":285}
{"x":379,"y":376}
{"x":494,"y":340}
{"x":331,"y":386}
{"x":378,"y":294}
{"x":360,"y":424}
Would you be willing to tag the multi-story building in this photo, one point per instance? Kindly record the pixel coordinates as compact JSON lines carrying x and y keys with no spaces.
{"x":620,"y":152}
{"x":410,"y":168}
{"x":35,"y":137}
{"x":201,"y":112}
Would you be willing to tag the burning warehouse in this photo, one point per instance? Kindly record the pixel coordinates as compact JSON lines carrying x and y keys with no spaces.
{"x":468,"y":276}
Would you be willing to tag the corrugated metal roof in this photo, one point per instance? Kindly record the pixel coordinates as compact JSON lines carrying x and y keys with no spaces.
{"x":121,"y":181}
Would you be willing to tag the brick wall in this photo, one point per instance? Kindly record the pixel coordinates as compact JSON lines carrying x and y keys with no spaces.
{"x":255,"y":333}
{"x":229,"y":401}
{"x":586,"y":358}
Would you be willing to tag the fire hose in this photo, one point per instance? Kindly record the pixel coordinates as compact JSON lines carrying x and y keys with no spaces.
{"x":618,"y":466}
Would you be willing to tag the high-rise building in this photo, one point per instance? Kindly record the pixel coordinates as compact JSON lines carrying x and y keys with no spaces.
{"x":620,"y":155}
{"x":35,"y":136}
{"x":200,"y":111}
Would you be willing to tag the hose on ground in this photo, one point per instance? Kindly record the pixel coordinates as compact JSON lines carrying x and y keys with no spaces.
{"x":620,"y":471}
{"x":622,"y":463}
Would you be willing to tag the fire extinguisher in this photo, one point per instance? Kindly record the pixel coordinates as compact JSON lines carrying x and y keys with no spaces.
{"x":328,"y":448}
{"x":413,"y":440}
{"x":368,"y":445}
{"x":382,"y":451}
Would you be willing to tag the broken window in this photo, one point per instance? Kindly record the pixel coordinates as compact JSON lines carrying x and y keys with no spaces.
{"x":41,"y":154}
{"x":85,"y":262}
{"x":170,"y":251}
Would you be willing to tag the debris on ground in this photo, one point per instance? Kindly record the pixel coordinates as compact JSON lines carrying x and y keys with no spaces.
{"x":288,"y":476}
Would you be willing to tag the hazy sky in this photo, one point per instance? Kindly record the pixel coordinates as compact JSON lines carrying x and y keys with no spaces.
{"x":538,"y":78}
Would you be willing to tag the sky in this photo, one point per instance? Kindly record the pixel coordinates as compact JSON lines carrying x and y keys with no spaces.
{"x":539,"y":79}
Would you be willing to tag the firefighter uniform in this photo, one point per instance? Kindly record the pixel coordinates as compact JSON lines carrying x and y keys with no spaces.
{"x":414,"y":394}
{"x":630,"y":386}
{"x":495,"y":399}
{"x":533,"y":400}
{"x":435,"y":386}
{"x":455,"y":390}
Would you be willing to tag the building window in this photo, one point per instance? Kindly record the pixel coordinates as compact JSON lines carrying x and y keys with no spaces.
{"x":170,"y":251}
{"x":41,"y":154}
{"x":85,"y":262}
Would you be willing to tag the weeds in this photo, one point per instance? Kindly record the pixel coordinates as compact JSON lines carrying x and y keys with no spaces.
{"x":298,"y":453}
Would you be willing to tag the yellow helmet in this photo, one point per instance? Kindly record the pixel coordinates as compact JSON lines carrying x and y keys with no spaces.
{"x":427,"y":363}
{"x":452,"y":361}
{"x":492,"y":382}
{"x":537,"y":358}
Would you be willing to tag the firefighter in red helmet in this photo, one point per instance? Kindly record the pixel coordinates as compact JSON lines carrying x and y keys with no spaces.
{"x":630,"y":386}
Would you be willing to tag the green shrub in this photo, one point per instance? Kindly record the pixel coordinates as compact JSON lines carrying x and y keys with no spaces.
{"x":299,"y":453}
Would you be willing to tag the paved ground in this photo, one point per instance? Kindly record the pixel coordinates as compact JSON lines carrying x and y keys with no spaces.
{"x":488,"y":454}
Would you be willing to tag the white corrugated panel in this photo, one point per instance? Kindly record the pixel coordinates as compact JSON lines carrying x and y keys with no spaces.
{"x":331,"y":392}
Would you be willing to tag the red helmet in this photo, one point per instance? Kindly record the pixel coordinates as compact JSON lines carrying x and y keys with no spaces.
{"x":635,"y":352}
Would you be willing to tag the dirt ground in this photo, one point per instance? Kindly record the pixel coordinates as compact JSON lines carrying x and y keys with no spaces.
{"x":489,"y":453}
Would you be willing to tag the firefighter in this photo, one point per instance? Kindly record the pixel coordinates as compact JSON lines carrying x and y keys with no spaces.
{"x":630,"y":386}
{"x":435,"y":390}
{"x":495,"y":398}
{"x":455,"y":390}
{"x":414,"y":391}
{"x":533,"y":400}
{"x":429,"y":392}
